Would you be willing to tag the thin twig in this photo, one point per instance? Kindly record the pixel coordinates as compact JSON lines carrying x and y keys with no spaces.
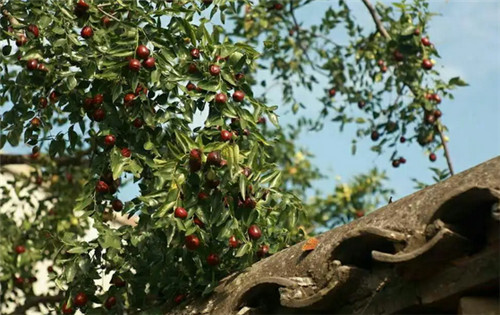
{"x":36,"y":300}
{"x":380,"y":26}
{"x":7,"y":159}
{"x":107,"y":14}
{"x":297,"y":36}
{"x":439,"y":129}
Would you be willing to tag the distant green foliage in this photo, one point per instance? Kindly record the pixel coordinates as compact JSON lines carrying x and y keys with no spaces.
{"x":76,"y":78}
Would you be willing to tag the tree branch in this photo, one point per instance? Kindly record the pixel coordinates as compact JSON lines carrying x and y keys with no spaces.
{"x":35,"y":300}
{"x":439,"y":129}
{"x":99,"y":7}
{"x":7,"y":159}
{"x":299,"y":41}
{"x":373,"y":13}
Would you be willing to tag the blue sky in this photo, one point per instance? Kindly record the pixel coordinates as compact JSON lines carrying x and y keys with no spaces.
{"x":467,"y":35}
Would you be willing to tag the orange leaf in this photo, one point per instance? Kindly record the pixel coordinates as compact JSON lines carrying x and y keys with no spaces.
{"x":310,"y":244}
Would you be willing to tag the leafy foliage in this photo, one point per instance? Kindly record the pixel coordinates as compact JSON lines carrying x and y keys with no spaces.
{"x":107,"y":93}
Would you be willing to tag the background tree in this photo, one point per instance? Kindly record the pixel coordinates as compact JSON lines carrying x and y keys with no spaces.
{"x":108,"y":92}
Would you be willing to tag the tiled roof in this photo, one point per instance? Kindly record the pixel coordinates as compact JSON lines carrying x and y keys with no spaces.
{"x":426,"y":253}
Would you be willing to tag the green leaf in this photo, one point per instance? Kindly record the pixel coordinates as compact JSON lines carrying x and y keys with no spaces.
{"x":457,"y":81}
{"x":118,"y":162}
{"x":409,"y":30}
{"x":243,"y":186}
{"x":244,"y":250}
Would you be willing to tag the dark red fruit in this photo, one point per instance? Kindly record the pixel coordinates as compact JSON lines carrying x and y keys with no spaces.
{"x":436,"y":98}
{"x":109,"y":140}
{"x":332,"y":92}
{"x":214,"y":70}
{"x":192,"y":68}
{"x":395,"y":163}
{"x":32,"y":64}
{"x":195,"y":53}
{"x":126,"y":152}
{"x":239,"y":76}
{"x":375,"y":135}
{"x":361,"y":104}
{"x":88,"y":103}
{"x":98,"y":99}
{"x":179,"y":298}
{"x":213,"y":259}
{"x":416,"y":32}
{"x":380,"y":63}
{"x":118,"y":281}
{"x":214,"y":158}
{"x":247,"y":171}
{"x":402,"y":160}
{"x":194,"y":165}
{"x":53,"y":97}
{"x":249,"y":203}
{"x":21,"y":40}
{"x":192,"y":242}
{"x":180,"y":213}
{"x":427,"y":64}
{"x":190,"y":86}
{"x":220,"y":98}
{"x":195,"y":154}
{"x":278,"y":6}
{"x":99,"y":114}
{"x":50,"y":269}
{"x":128,"y":99}
{"x":66,"y":310}
{"x":33,"y":29}
{"x":360,"y":213}
{"x":19,"y":281}
{"x":140,"y":89}
{"x":110,"y":302}
{"x":117,"y":205}
{"x":87,"y":32}
{"x":425,"y":41}
{"x":198,"y":222}
{"x":429,"y":118}
{"x":437,"y":113}
{"x":254,"y":232}
{"x":398,"y":56}
{"x":42,"y":67}
{"x":262,"y":120}
{"x":203,"y":196}
{"x":383,"y":69}
{"x":142,"y":52}
{"x":80,"y":299}
{"x":36,"y":122}
{"x":82,"y":5}
{"x":225,"y":135}
{"x":238,"y":96}
{"x":20,"y":249}
{"x":149,"y":63}
{"x":263,"y":251}
{"x":102,"y":187}
{"x":432,"y":157}
{"x":106,"y":21}
{"x":138,"y":123}
{"x":233,"y":242}
{"x":402,"y":139}
{"x":134,"y":65}
{"x":42,"y":102}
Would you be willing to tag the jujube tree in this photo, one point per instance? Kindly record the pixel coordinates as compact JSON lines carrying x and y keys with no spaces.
{"x":106,"y":92}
